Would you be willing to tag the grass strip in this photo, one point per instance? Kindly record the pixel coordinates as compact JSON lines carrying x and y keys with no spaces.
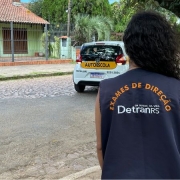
{"x":34,"y":75}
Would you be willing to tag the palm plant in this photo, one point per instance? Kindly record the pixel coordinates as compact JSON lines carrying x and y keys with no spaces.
{"x":82,"y":28}
{"x":86,"y":27}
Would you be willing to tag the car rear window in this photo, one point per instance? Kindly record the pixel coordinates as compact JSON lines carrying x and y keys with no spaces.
{"x":100,"y":52}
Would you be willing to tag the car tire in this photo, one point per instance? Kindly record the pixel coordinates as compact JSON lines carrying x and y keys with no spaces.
{"x":79,"y":88}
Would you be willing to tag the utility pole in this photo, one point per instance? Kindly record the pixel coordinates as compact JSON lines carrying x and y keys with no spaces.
{"x":69,"y":18}
{"x":12,"y":41}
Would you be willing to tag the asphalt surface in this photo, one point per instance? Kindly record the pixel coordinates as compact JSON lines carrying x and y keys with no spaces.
{"x":30,"y":71}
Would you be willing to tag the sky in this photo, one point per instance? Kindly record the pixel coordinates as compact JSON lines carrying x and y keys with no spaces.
{"x":25,"y":1}
{"x":111,"y":1}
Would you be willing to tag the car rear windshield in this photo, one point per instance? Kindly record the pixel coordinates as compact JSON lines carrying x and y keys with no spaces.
{"x":100,"y":52}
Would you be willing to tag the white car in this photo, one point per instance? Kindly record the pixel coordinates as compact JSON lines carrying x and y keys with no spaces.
{"x":98,"y":61}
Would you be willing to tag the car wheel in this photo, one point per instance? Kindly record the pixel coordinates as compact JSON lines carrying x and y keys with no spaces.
{"x":79,"y":88}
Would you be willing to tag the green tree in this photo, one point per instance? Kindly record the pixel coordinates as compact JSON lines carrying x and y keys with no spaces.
{"x":56,"y":11}
{"x":124,"y":10}
{"x":36,"y":7}
{"x":170,"y":5}
{"x":91,"y":7}
{"x":121,"y":15}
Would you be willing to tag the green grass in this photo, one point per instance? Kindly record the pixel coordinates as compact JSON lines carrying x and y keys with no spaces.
{"x":34,"y":75}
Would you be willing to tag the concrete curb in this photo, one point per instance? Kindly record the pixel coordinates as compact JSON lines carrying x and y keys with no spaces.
{"x":34,"y":75}
{"x":81,"y":173}
{"x":18,"y":63}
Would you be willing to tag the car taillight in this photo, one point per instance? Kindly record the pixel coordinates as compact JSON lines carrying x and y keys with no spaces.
{"x":79,"y":58}
{"x":121,"y":59}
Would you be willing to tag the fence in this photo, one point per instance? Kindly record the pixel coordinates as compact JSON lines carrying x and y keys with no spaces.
{"x":28,"y":42}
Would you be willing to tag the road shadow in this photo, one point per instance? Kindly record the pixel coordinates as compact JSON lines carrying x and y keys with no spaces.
{"x":91,"y":89}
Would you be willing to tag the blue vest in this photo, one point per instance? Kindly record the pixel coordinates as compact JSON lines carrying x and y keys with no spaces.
{"x":140,"y":126}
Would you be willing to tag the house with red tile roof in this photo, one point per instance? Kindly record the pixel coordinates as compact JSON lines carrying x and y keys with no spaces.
{"x":27,"y":29}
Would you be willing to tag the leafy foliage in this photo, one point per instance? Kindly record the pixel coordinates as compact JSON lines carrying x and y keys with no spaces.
{"x":170,"y":5}
{"x":91,"y":7}
{"x":97,"y":17}
{"x":124,"y":10}
{"x":56,"y":11}
{"x":86,"y":27}
{"x":36,"y":7}
{"x":121,"y":15}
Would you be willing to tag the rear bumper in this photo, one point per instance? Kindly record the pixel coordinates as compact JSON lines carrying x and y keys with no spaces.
{"x":82,"y":76}
{"x":89,"y":83}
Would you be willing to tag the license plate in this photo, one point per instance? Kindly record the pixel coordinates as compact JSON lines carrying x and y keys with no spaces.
{"x":97,"y":75}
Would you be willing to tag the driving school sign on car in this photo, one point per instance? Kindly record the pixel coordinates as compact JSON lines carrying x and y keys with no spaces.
{"x":98,"y":65}
{"x":97,"y":61}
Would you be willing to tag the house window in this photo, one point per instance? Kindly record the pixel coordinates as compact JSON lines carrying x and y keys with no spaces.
{"x":64,"y":41}
{"x":20,"y":41}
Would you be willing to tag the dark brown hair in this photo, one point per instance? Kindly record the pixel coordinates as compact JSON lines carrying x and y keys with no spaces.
{"x":152,"y":44}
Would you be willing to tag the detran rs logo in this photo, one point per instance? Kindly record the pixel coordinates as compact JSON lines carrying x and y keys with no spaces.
{"x":146,"y":109}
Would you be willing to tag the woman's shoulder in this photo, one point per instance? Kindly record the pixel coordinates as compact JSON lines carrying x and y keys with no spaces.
{"x":139,"y":74}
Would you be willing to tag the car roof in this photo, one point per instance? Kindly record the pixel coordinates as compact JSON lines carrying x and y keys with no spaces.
{"x":104,"y":42}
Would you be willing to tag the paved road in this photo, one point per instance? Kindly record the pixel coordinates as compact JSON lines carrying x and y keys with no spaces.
{"x":47,"y":129}
{"x":37,"y":88}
